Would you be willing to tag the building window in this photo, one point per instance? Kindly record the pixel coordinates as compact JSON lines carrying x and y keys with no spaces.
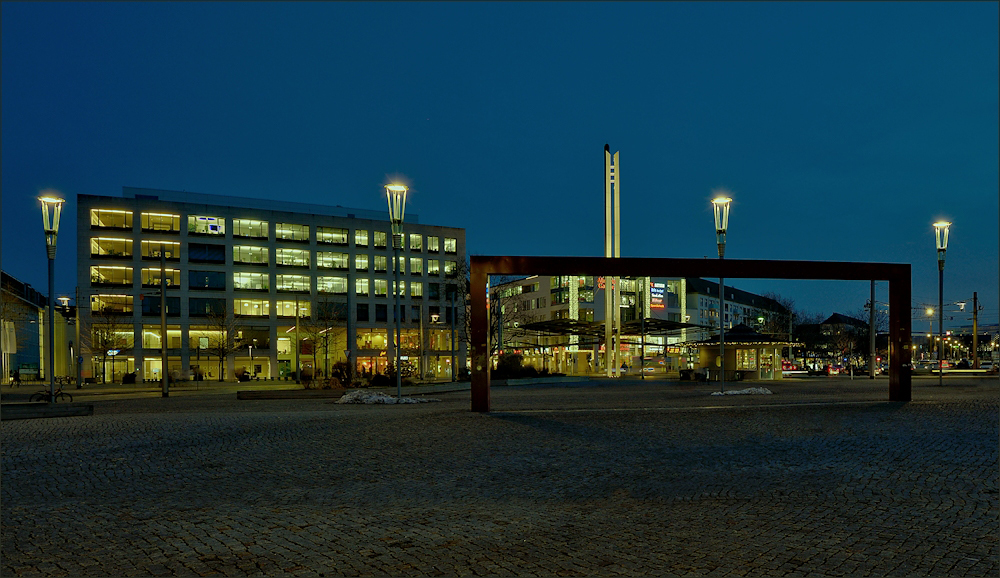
{"x":451,"y":268}
{"x":416,"y":289}
{"x":450,"y":245}
{"x":433,"y":267}
{"x":371,"y":338}
{"x":151,"y":277}
{"x":111,"y":303}
{"x":334,"y":285}
{"x":746,"y":359}
{"x":163,"y":222}
{"x":109,"y":247}
{"x":402,"y":288}
{"x":296,"y":283}
{"x":205,"y":253}
{"x":287,"y":308}
{"x":379,"y":240}
{"x":252,"y":307}
{"x":250,"y":254}
{"x":360,"y":238}
{"x":381,"y":287}
{"x":361,"y":262}
{"x":416,"y":242}
{"x":362,"y":316}
{"x":250,"y":281}
{"x":381,"y":312}
{"x":416,"y":266}
{"x":291,"y":232}
{"x":380,"y":263}
{"x":331,"y":235}
{"x":250,"y":228}
{"x":331,"y":260}
{"x":110,"y":219}
{"x":433,"y":244}
{"x":202,"y":307}
{"x":292,"y":257}
{"x":434,"y":290}
{"x":152,"y":306}
{"x":203,"y":225}
{"x":361,"y":286}
{"x":215,"y":280}
{"x":151,"y":250}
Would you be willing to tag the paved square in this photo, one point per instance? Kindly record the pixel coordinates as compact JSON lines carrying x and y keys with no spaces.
{"x":598,"y":478}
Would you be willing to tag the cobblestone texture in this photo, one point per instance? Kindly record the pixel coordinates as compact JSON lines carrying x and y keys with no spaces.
{"x":630,"y":480}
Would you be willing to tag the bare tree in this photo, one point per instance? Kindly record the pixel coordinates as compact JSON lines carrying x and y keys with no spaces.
{"x":110,"y":331}
{"x":779,"y":321}
{"x":222,"y":336}
{"x":320,"y":328}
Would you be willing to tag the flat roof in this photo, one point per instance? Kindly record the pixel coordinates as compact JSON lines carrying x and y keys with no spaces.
{"x":263,"y":204}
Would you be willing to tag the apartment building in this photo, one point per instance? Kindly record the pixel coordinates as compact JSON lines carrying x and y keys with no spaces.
{"x":248,"y":279}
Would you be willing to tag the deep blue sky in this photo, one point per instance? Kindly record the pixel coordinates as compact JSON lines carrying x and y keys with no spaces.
{"x":843,"y":130}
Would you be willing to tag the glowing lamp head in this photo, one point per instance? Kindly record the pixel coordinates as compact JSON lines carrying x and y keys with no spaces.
{"x":396,"y":196}
{"x":720,"y":206}
{"x":51,"y":210}
{"x":941,"y":229}
{"x":930,"y":311}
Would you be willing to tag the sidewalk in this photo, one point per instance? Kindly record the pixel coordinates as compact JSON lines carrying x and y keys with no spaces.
{"x":97,"y":392}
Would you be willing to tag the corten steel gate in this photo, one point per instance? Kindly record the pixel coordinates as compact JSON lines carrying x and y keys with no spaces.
{"x":898,"y":276}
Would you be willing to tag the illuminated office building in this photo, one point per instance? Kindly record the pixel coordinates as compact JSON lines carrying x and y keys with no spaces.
{"x":252,"y":267}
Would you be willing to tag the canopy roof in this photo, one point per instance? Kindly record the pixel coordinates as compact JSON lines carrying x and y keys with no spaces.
{"x":652,"y":326}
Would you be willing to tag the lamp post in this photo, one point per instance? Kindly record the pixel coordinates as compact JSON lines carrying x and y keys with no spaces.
{"x":396,"y":196}
{"x":941,"y":229}
{"x":720,"y":206}
{"x":51,"y":210}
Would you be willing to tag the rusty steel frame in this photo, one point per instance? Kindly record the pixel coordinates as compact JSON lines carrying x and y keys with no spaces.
{"x":897,"y":274}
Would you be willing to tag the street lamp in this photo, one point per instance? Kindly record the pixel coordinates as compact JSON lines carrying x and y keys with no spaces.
{"x":51,"y":210}
{"x":941,"y":229}
{"x":720,"y":206}
{"x":396,"y":195}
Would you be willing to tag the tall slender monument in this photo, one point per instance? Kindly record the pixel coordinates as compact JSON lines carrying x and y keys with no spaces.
{"x":612,"y":248}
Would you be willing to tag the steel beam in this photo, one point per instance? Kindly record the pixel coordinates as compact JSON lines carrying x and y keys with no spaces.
{"x":897,"y":274}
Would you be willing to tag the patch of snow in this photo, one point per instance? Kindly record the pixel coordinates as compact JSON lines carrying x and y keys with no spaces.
{"x":747,"y":391}
{"x":377,"y":397}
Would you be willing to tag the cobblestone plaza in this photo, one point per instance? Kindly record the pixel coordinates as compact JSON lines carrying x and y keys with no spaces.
{"x":823,"y":478}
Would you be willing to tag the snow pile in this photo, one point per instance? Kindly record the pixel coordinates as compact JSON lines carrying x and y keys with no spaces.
{"x":747,"y":391}
{"x":373,"y":397}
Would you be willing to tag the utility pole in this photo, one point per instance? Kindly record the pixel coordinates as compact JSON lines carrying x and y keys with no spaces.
{"x":975,"y":330}
{"x":163,"y":321}
{"x":297,"y":380}
{"x":78,"y":362}
{"x":642,"y":323}
{"x":871,"y":334}
{"x":454,"y":315}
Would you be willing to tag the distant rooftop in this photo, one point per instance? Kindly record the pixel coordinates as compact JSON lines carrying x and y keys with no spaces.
{"x":264,"y":204}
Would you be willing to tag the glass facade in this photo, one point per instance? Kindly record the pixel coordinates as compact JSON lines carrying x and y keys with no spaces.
{"x":205,"y":225}
{"x":163,"y":222}
{"x":250,"y":228}
{"x":215,"y":254}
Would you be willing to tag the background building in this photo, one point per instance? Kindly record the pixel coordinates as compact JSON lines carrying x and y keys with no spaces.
{"x":549,"y":319}
{"x":240,"y":273}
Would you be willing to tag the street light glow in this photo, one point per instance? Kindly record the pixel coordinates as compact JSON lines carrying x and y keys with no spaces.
{"x":941,"y":229}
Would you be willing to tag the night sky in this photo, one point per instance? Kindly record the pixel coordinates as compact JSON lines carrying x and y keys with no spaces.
{"x":843,"y":130}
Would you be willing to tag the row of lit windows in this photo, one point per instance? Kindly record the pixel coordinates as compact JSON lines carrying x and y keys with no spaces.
{"x":105,"y":307}
{"x":248,"y":281}
{"x":255,"y":255}
{"x":206,"y":338}
{"x":256,"y":229}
